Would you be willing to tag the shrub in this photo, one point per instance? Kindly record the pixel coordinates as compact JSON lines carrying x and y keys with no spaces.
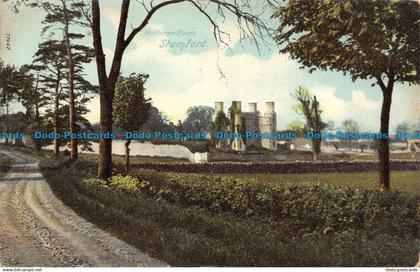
{"x":278,"y":167}
{"x":235,"y":222}
{"x":307,"y":206}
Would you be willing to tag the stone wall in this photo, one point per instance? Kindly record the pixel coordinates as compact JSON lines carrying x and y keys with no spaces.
{"x":280,"y":167}
{"x":244,"y":157}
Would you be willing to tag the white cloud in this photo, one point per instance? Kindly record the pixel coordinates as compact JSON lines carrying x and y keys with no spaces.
{"x":180,"y":81}
{"x":365,"y":111}
{"x":337,"y":109}
{"x":195,"y":79}
{"x":359,"y":98}
{"x":333,"y":107}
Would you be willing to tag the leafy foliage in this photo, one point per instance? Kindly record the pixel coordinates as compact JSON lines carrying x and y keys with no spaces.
{"x":350,"y":126}
{"x":221,"y":122}
{"x":307,"y":206}
{"x":366,"y":39}
{"x":10,"y":83}
{"x":131,"y":108}
{"x":199,"y":119}
{"x":363,"y":38}
{"x":308,"y":106}
{"x":157,"y":121}
{"x":186,"y":235}
{"x":50,"y":66}
{"x":296,"y":126}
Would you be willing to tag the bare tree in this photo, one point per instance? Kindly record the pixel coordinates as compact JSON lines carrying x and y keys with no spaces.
{"x":250,"y":24}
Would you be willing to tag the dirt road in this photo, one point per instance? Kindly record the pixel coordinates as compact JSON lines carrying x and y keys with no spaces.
{"x":37,"y":229}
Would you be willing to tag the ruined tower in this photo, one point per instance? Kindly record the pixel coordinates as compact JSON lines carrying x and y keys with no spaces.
{"x":237,"y":143}
{"x":218,"y":107}
{"x":268,"y":124}
{"x":254,"y":122}
{"x":222,"y":125}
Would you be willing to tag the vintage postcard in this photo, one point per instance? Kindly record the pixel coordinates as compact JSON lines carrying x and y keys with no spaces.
{"x":209,"y":133}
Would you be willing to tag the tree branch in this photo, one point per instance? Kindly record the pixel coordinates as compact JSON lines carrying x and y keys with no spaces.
{"x":147,"y":18}
{"x":381,"y":83}
{"x":97,"y":40}
{"x":120,"y":43}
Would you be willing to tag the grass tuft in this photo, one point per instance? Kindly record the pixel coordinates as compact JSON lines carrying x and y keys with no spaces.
{"x":183,"y":233}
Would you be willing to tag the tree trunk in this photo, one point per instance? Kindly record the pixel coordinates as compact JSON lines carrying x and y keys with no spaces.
{"x":383,"y":150}
{"x":107,"y":83}
{"x":37,"y":116}
{"x":56,"y":117}
{"x":316,"y":148}
{"x":38,"y":122}
{"x":72,"y":107}
{"x":105,"y":145}
{"x":56,"y":139}
{"x":6,"y":141}
{"x":127,"y":156}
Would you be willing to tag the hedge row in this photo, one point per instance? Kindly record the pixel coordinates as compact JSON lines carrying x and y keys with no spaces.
{"x":305,"y":206}
{"x":191,"y":236}
{"x":278,"y":167}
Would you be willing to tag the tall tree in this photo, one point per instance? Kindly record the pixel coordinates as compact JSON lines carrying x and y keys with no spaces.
{"x":18,"y":122}
{"x":33,"y":97}
{"x":375,"y":40}
{"x":131,"y":108}
{"x":350,"y":126}
{"x":10,"y":84}
{"x":50,"y":58}
{"x":244,"y":11}
{"x":199,"y":119}
{"x":308,"y":106}
{"x":296,"y":126}
{"x":405,"y":127}
{"x":157,"y":121}
{"x":64,"y":14}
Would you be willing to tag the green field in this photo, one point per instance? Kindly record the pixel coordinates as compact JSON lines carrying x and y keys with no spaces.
{"x":403,"y":181}
{"x":331,"y":219}
{"x":232,"y":220}
{"x":118,"y":159}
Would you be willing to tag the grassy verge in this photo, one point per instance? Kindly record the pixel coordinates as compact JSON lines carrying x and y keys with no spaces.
{"x":393,"y":156}
{"x":5,"y":164}
{"x":185,"y":233}
{"x":45,"y":154}
{"x":406,"y":182}
{"x":119,"y":161}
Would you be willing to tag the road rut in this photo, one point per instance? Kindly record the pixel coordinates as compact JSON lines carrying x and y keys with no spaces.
{"x":37,"y":229}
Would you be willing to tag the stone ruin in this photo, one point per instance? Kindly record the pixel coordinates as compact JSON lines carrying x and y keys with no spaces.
{"x":251,"y":121}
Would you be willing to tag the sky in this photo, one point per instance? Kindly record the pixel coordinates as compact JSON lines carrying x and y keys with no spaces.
{"x":181,"y":77}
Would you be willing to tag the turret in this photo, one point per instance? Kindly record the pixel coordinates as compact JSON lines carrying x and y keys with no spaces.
{"x":236,"y":106}
{"x":218,"y":107}
{"x":252,"y":107}
{"x":269,"y":107}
